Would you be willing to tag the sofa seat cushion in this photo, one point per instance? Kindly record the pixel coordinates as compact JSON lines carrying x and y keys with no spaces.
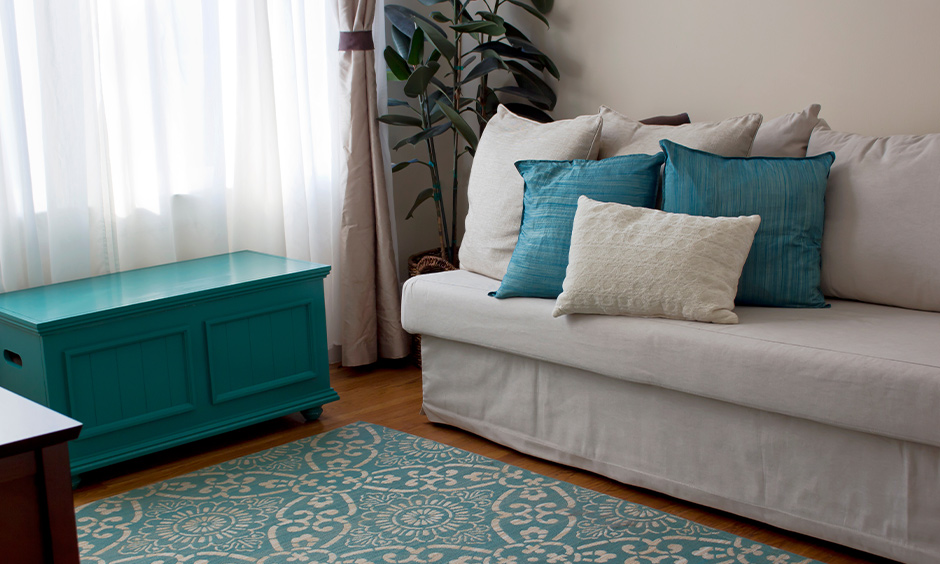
{"x":866,"y":367}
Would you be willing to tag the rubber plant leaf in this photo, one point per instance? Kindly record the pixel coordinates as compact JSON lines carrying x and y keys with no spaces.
{"x":514,"y":32}
{"x":416,"y":52}
{"x":486,"y":66}
{"x":487,"y":27}
{"x":438,"y":38}
{"x":405,"y":164}
{"x":423,"y":195}
{"x":525,"y":78}
{"x":504,"y":50}
{"x":528,"y":111}
{"x":465,"y":16}
{"x":536,"y":98}
{"x":396,"y":64}
{"x":528,"y":8}
{"x":549,"y":66}
{"x":420,"y":78}
{"x":489,"y":106}
{"x":544,"y":6}
{"x":520,"y":41}
{"x":406,"y":20}
{"x":441,"y":87}
{"x":426,"y":134}
{"x":459,"y":123}
{"x":401,"y":42}
{"x":394,"y":119}
{"x":434,"y":96}
{"x":436,"y":115}
{"x":491,"y":17}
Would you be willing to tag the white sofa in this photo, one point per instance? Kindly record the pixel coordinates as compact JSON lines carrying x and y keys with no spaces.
{"x":820,"y":421}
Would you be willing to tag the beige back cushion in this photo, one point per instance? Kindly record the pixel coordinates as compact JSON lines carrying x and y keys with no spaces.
{"x":625,"y":136}
{"x":495,"y":187}
{"x":786,"y":135}
{"x":881,"y":239}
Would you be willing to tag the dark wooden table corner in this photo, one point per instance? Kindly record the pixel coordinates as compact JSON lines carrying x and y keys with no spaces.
{"x":37,"y":516}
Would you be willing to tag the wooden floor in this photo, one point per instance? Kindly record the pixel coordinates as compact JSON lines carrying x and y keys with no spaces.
{"x":390,"y":395}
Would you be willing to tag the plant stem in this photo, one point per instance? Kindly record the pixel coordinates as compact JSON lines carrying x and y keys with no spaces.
{"x":482,"y":101}
{"x":458,"y":71}
{"x":435,"y":177}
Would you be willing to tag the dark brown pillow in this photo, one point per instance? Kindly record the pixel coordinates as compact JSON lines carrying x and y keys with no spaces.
{"x":678,"y":119}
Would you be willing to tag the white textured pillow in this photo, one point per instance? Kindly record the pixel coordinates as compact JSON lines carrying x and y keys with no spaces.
{"x":786,"y":135}
{"x":495,"y":188}
{"x":881,"y":241}
{"x":729,"y":138}
{"x":626,"y":260}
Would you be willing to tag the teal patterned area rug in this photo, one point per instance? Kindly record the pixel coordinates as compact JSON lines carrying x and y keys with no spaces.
{"x":365,"y":494}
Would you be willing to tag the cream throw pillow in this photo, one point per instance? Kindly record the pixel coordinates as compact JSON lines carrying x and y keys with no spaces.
{"x":729,"y":138}
{"x":495,"y":188}
{"x":626,"y":260}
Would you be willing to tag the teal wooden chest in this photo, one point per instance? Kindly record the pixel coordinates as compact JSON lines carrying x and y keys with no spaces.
{"x":151,"y":358}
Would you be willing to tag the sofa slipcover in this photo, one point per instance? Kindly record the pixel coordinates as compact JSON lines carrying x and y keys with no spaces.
{"x":865,"y":367}
{"x":862,"y":490}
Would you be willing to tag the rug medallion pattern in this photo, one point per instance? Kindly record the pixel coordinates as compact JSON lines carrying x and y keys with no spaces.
{"x":365,"y":494}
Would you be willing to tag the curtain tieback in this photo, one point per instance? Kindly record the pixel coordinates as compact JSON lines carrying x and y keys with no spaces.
{"x":356,"y":41}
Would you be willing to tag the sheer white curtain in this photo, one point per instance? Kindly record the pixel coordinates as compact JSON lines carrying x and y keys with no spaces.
{"x":135,"y":133}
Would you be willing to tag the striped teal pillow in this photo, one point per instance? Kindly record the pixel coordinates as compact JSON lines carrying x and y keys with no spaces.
{"x":788,"y":194}
{"x":552,"y":188}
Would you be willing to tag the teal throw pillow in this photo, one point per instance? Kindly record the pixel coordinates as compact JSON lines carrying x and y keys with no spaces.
{"x":552,"y":188}
{"x":788,"y":194}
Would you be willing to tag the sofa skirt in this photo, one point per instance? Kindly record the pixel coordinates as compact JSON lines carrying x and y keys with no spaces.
{"x":873,"y":493}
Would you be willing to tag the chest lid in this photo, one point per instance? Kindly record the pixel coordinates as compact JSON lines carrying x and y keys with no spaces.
{"x":67,"y":303}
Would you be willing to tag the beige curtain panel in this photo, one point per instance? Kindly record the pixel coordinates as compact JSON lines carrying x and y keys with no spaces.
{"x":371,"y":300}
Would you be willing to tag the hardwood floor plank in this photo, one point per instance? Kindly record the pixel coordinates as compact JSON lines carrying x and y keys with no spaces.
{"x":390,"y":395}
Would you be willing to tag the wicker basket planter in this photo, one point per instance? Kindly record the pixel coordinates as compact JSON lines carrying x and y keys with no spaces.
{"x":425,"y":262}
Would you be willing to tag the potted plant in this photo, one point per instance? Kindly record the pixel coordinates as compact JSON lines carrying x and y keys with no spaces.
{"x":447,"y":60}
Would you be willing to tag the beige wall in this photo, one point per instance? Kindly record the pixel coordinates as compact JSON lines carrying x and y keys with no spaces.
{"x":873,"y":65}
